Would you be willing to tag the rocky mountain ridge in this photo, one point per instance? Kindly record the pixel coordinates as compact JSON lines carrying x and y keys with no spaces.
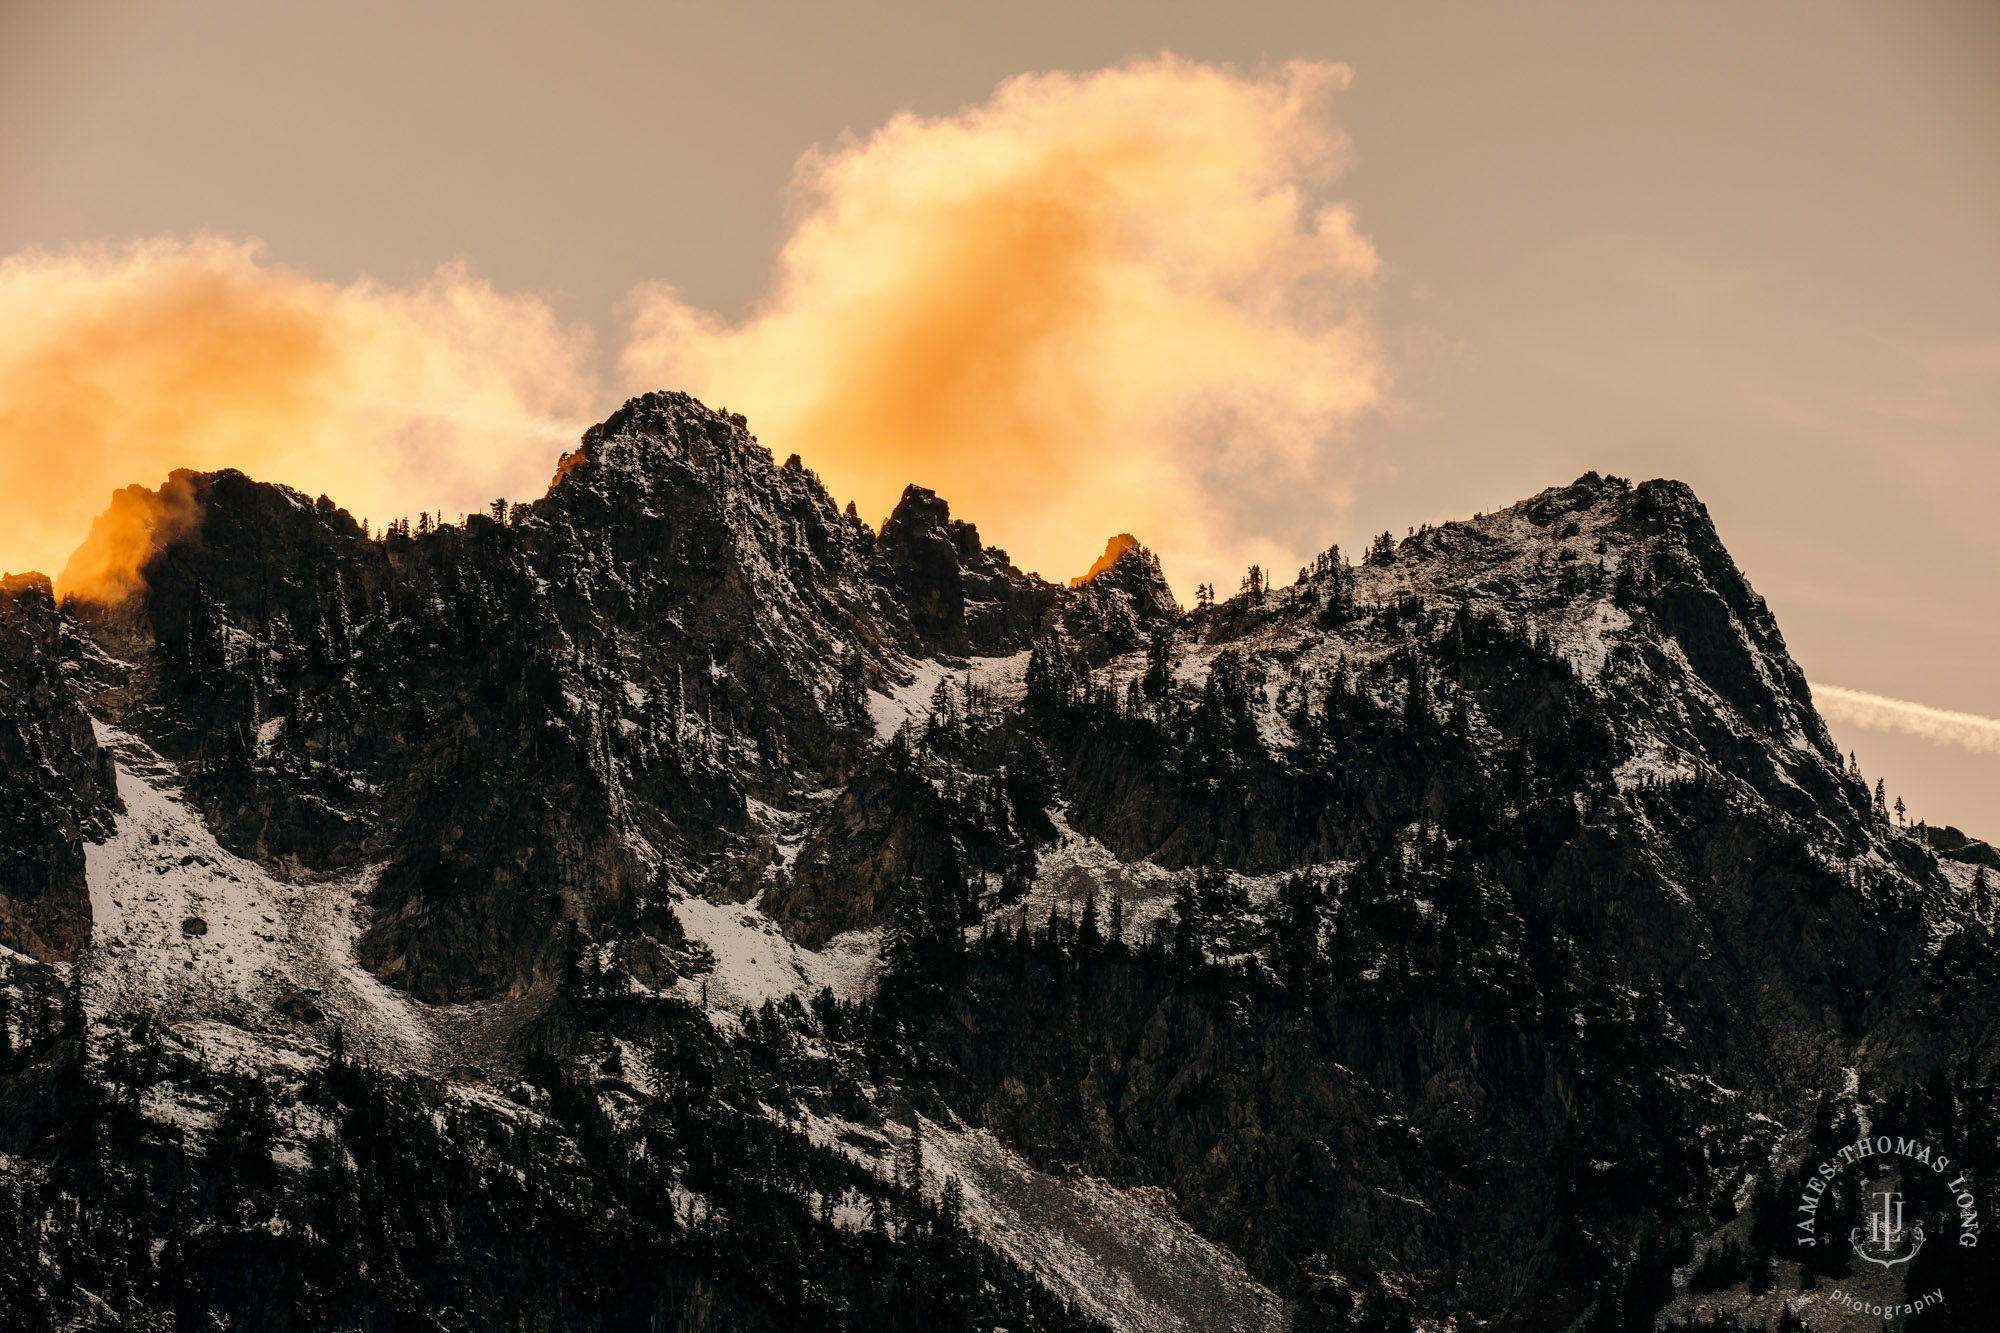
{"x":1444,"y":937}
{"x":59,"y":791}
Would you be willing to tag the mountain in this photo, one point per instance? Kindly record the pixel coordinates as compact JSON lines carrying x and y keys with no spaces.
{"x":671,"y":903}
{"x":59,"y":789}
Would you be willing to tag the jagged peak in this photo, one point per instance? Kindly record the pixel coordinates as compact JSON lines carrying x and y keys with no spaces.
{"x":922,"y":515}
{"x":662,"y":412}
{"x":919,"y":510}
{"x":654,"y":431}
{"x":961,"y":595}
{"x":31,"y":584}
{"x":1116,"y":548}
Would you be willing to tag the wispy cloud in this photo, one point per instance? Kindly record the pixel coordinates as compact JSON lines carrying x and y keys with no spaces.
{"x":1855,"y":707}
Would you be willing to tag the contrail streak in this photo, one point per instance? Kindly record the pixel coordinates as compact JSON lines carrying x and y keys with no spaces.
{"x":1967,"y":730}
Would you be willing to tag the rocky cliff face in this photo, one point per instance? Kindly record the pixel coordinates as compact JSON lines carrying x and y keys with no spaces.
{"x":1449,"y":936}
{"x":961,"y":596}
{"x":56,"y":787}
{"x":1121,"y":604}
{"x":528,"y":720}
{"x":1516,"y":849}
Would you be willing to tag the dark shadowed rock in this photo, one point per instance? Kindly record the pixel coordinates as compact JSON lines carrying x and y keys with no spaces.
{"x":961,"y":596}
{"x":503,"y":713}
{"x":57,"y":788}
{"x":1948,"y":842}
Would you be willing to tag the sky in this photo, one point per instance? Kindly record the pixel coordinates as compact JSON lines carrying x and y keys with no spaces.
{"x":1437,"y":258}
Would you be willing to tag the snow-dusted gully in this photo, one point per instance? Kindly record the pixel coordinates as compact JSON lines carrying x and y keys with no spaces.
{"x":254,"y":972}
{"x":195,"y":935}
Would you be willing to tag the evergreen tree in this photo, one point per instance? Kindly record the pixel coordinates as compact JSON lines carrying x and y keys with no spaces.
{"x":1051,"y":680}
{"x":617,"y":982}
{"x":1720,"y":1268}
{"x":923,"y":948}
{"x":75,"y":1023}
{"x":1649,"y":1282}
{"x":1223,"y":739}
{"x":569,"y":974}
{"x":1030,"y":785}
{"x":38,"y":1011}
{"x":1763,"y":1272}
{"x":1189,"y":940}
{"x":1159,"y":677}
{"x":1769,"y":1219}
{"x":1089,"y":938}
{"x":1207,"y":909}
{"x":944,"y":729}
{"x":850,"y":693}
{"x":1295,"y":922}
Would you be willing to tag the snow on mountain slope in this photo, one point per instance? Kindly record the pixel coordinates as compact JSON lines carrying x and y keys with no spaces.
{"x":1125,"y":1256}
{"x":1557,"y":785}
{"x":1002,"y":678}
{"x":190,"y":932}
{"x":754,"y":962}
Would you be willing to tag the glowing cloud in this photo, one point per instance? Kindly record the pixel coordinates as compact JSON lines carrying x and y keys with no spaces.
{"x":117,"y":365}
{"x":1096,"y":303}
{"x":1968,"y":731}
{"x":107,"y":567}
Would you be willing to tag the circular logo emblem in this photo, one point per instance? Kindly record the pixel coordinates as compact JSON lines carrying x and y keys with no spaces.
{"x":1879,"y":1203}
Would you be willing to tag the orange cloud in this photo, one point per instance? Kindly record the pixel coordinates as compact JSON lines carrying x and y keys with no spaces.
{"x":1099,"y":303}
{"x":106,"y":568}
{"x":1068,"y":310}
{"x":118,"y":365}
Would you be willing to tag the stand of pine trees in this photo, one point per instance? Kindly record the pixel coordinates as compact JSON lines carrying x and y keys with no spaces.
{"x":591,"y":1204}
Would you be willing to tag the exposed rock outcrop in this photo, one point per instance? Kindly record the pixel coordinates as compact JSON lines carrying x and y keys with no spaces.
{"x":531,"y":719}
{"x":961,"y":596}
{"x":57,"y":788}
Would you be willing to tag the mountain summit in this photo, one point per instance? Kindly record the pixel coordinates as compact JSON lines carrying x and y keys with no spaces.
{"x":1114,"y":551}
{"x":670,"y":903}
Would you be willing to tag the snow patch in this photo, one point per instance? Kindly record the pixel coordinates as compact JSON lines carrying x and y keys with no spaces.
{"x":1005,"y":679}
{"x":208,"y":940}
{"x":754,"y":962}
{"x":1125,"y":1257}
